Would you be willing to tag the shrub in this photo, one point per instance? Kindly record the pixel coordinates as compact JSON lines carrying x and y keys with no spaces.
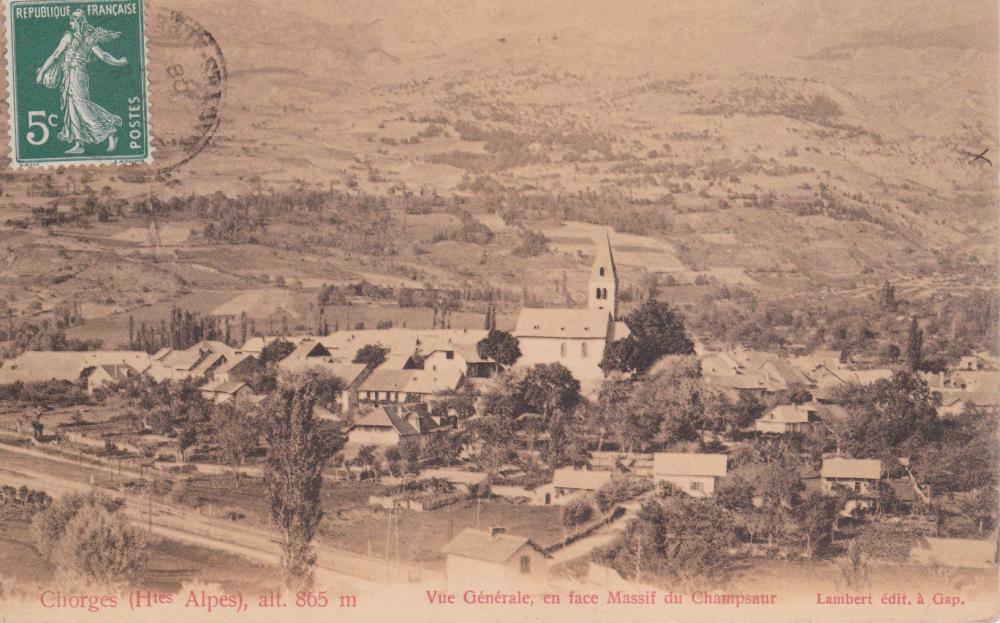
{"x":577,"y":511}
{"x":532,"y":244}
{"x":99,"y":548}
{"x":48,"y":526}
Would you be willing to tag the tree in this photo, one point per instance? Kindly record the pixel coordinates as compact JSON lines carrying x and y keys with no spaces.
{"x":100,"y":549}
{"x":981,"y":506}
{"x":623,"y":355}
{"x":962,"y":457}
{"x":674,"y":399}
{"x":889,"y":302}
{"x":655,"y":330}
{"x":187,"y":439}
{"x":779,"y":483}
{"x":890,"y":416}
{"x":460,"y":402}
{"x":325,"y":385}
{"x":293,"y":478}
{"x":89,"y":541}
{"x":576,"y":512}
{"x":237,"y":434}
{"x":676,"y":538}
{"x":817,"y":516}
{"x":736,"y":495}
{"x":914,"y":345}
{"x":606,"y":416}
{"x":276,"y":351}
{"x":500,"y":346}
{"x":372,"y":355}
{"x":368,"y":459}
{"x":548,"y":387}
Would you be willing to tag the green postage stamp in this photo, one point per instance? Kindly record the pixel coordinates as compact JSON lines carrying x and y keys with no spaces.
{"x":76,"y":82}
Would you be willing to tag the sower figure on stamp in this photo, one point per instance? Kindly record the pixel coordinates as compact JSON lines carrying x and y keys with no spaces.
{"x":84,"y":122}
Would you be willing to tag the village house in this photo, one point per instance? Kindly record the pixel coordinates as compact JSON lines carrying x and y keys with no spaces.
{"x":311,"y":355}
{"x":462,"y":357}
{"x":570,"y":481}
{"x":307,"y":354}
{"x":405,"y":386}
{"x":241,"y":367}
{"x":222,"y":391}
{"x":858,"y":478}
{"x":696,"y":474}
{"x":576,"y":338}
{"x":460,"y":479}
{"x":738,"y":371}
{"x":387,"y":425}
{"x":36,"y":366}
{"x":106,"y":374}
{"x":784,"y":419}
{"x":198,"y":360}
{"x":494,"y":560}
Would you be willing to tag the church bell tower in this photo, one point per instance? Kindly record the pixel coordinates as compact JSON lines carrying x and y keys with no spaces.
{"x":603,"y":285}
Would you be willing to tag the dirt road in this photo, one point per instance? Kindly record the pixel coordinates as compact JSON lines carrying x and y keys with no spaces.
{"x":346,"y":570}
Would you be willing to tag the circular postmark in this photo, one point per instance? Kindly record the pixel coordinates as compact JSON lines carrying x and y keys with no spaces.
{"x":187,"y":82}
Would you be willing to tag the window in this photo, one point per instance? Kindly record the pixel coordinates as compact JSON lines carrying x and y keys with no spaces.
{"x":583,"y":349}
{"x":562,"y":349}
{"x":597,"y":294}
{"x":449,"y":354}
{"x":857,"y":485}
{"x":601,"y":271}
{"x":696,"y":485}
{"x":525,"y":564}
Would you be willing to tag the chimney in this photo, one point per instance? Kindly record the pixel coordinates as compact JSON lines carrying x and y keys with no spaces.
{"x":496,"y":531}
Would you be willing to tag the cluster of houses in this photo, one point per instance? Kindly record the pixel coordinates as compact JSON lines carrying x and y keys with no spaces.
{"x":392,"y":399}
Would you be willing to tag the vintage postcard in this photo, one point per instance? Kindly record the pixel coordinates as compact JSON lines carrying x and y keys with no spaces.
{"x":494,"y":310}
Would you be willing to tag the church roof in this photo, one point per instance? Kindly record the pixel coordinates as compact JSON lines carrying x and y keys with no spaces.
{"x":605,"y":257}
{"x":563,"y":323}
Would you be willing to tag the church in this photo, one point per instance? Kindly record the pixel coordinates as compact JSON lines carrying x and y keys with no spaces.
{"x":576,"y":337}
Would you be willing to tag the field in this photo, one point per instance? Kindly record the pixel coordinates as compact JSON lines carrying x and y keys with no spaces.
{"x":349,"y":523}
{"x":170,"y":564}
{"x":811,"y":164}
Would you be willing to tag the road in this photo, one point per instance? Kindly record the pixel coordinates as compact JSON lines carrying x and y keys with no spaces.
{"x":605,"y":535}
{"x":334,"y":567}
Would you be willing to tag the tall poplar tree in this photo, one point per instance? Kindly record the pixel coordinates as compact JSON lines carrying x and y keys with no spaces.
{"x":293,"y":479}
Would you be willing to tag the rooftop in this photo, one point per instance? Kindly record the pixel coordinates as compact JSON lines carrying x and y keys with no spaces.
{"x":689,"y":464}
{"x":586,"y":480}
{"x":481,"y":545}
{"x":568,"y":323}
{"x":867,"y":469}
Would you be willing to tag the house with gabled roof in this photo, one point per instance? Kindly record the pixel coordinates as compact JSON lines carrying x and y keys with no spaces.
{"x":221,"y":391}
{"x":695,"y":473}
{"x":857,"y":477}
{"x":785,"y":419}
{"x":108,"y":374}
{"x":387,"y":425}
{"x":404,"y":386}
{"x":493,"y":559}
{"x":462,"y":357}
{"x":240,"y":368}
{"x":570,"y":481}
{"x":199,"y":359}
